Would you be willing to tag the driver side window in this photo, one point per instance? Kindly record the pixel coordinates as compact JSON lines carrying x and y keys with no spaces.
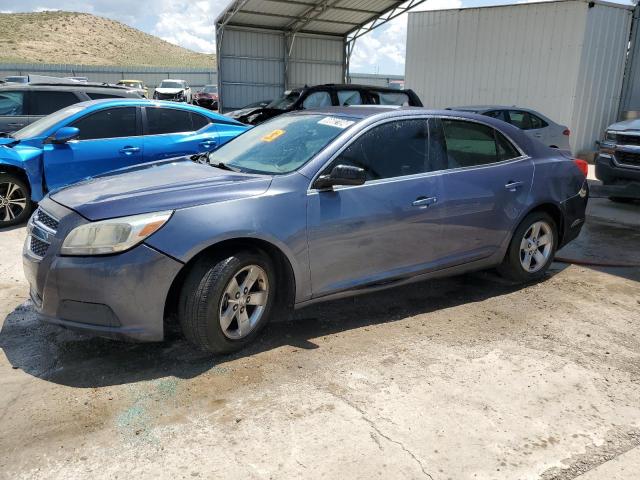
{"x":110,"y":123}
{"x":394,"y":149}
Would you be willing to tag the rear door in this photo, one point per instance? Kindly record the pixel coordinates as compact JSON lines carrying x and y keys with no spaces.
{"x":13,"y":110}
{"x":109,"y":139}
{"x":173,"y":132}
{"x":485,"y":188}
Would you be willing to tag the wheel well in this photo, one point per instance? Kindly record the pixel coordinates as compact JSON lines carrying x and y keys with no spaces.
{"x":554,"y":212}
{"x":286,"y":287}
{"x":18,"y":172}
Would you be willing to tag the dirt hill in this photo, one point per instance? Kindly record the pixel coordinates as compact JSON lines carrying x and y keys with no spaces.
{"x":80,"y":38}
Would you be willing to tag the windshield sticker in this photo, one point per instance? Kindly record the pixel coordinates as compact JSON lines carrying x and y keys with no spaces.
{"x":273,"y":135}
{"x":336,"y":122}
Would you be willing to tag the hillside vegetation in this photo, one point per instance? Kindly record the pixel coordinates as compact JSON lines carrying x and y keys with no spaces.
{"x":80,"y":38}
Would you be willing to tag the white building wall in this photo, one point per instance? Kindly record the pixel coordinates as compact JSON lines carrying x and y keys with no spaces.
{"x":315,"y":60}
{"x":527,"y":55}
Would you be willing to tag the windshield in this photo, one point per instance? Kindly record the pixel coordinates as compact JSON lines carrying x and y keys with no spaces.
{"x":210,"y":89}
{"x":281,"y":145}
{"x":169,"y":84}
{"x":39,"y":127}
{"x":286,"y":101}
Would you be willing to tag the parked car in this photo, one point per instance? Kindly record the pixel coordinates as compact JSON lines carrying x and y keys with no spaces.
{"x":533,"y":123}
{"x":307,"y":207}
{"x":137,"y":86}
{"x":90,"y":138}
{"x":321,"y":96}
{"x":17,"y":79}
{"x":173,"y":90}
{"x":618,"y":162}
{"x":207,"y":97}
{"x":21,"y":105}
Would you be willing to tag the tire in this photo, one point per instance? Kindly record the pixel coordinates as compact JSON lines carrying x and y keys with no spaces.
{"x":15,"y":201}
{"x":513,"y":266}
{"x":208,"y":299}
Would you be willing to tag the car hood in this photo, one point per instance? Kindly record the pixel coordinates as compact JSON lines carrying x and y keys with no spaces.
{"x":170,"y":91}
{"x":158,"y":186}
{"x":626,"y":125}
{"x":254,"y":116}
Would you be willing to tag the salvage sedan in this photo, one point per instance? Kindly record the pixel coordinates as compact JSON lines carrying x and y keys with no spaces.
{"x":305,"y":208}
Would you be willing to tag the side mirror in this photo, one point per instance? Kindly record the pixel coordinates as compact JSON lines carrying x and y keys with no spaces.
{"x":65,"y":134}
{"x":341,"y":175}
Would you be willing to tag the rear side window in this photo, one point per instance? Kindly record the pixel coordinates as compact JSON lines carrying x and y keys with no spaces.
{"x":12,"y":104}
{"x":519,"y":119}
{"x":110,"y":123}
{"x":506,"y":150}
{"x":390,"y":98}
{"x":394,"y":149}
{"x":499,"y":114}
{"x":349,"y":97}
{"x":46,"y":102}
{"x":161,"y":121}
{"x":537,"y":122}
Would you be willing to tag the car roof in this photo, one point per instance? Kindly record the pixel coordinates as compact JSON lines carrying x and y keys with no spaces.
{"x":64,"y":87}
{"x":369,"y":111}
{"x":486,"y":108}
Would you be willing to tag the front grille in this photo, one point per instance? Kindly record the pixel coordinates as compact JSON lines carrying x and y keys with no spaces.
{"x":38,"y":247}
{"x":628,"y":158}
{"x":46,"y":219}
{"x":166,"y":96}
{"x":628,"y":139}
{"x":42,"y":228}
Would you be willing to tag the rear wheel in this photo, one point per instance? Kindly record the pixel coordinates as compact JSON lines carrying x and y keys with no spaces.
{"x":225,"y":302}
{"x":15,"y":204}
{"x":532,"y":248}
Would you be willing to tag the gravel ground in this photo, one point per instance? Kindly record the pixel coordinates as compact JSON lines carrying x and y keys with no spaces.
{"x":462,"y":378}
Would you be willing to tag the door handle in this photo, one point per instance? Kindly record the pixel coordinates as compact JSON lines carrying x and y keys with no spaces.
{"x":209,"y":144}
{"x":424,"y":201}
{"x":129,"y":150}
{"x":513,"y":186}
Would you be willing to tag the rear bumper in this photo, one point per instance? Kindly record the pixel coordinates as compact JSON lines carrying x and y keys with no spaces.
{"x":574,"y":212}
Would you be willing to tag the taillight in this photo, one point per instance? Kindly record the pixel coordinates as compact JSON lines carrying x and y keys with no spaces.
{"x":583,"y":166}
{"x":566,"y":132}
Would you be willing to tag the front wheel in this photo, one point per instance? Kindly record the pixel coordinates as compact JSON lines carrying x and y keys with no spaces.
{"x":532,"y":248}
{"x":15,"y":204}
{"x":225,"y":302}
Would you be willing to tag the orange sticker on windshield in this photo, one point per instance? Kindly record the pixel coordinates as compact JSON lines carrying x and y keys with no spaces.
{"x":273,"y":135}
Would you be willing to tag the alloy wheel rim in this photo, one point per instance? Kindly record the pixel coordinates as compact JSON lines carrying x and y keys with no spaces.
{"x":243,"y":302}
{"x":536,"y":247}
{"x":13,"y":201}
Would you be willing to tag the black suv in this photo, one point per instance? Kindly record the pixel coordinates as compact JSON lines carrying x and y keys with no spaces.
{"x":22,"y":104}
{"x":330,"y":95}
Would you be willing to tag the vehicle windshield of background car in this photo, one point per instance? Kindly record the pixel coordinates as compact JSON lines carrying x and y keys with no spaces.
{"x":286,"y":101}
{"x":39,"y":127}
{"x":281,"y":145}
{"x":210,"y":89}
{"x":131,"y":84}
{"x":166,"y":84}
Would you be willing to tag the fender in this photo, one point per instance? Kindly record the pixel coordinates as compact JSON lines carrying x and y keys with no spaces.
{"x":29,"y":160}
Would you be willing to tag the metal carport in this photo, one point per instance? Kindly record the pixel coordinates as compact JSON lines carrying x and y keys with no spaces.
{"x":267,"y":46}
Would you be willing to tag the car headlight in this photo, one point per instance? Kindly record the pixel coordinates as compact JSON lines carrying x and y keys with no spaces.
{"x":114,"y":235}
{"x":611,"y":136}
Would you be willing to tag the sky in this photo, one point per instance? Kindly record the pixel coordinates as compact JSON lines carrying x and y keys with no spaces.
{"x":190,"y":24}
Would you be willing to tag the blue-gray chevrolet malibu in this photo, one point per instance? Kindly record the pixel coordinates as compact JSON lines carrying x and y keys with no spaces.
{"x":308,"y":207}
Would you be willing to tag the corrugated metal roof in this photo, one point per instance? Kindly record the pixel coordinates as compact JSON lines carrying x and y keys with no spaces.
{"x":332,"y":17}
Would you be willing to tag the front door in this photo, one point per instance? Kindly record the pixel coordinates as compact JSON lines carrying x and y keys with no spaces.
{"x":388,"y":228}
{"x":109,"y":140}
{"x":485,"y":188}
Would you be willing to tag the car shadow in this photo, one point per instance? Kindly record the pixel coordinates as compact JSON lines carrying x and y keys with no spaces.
{"x":75,"y":359}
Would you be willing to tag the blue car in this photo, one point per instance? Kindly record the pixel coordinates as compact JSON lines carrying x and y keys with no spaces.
{"x":304,"y":208}
{"x":90,"y":138}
